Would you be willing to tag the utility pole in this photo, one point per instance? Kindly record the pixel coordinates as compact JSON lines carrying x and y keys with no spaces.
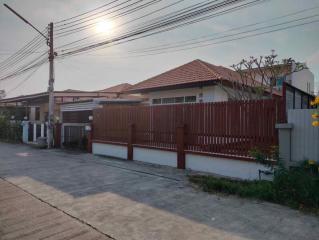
{"x":51,"y":87}
{"x":51,"y":73}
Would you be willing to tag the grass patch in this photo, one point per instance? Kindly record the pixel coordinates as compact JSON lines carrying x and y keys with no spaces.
{"x":295,"y":188}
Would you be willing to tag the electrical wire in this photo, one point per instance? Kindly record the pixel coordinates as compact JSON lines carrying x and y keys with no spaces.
{"x":25,"y":79}
{"x":140,"y":54}
{"x":82,"y":14}
{"x":125,"y":23}
{"x":35,"y":62}
{"x":160,"y":25}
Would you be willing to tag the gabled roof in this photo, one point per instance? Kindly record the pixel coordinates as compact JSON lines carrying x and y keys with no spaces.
{"x":117,"y":88}
{"x":193,"y":72}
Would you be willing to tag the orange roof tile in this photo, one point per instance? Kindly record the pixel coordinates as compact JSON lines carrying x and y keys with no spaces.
{"x":193,"y":72}
{"x":117,"y":88}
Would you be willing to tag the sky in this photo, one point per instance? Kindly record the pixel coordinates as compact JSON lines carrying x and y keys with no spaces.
{"x":104,"y":68}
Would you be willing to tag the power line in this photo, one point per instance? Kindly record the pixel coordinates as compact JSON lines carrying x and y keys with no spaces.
{"x":23,"y":49}
{"x":82,"y":14}
{"x":90,"y":25}
{"x":230,"y":40}
{"x":163,"y":23}
{"x":241,"y":27}
{"x":140,"y":54}
{"x":21,"y":57}
{"x":179,"y":44}
{"x":26,"y":67}
{"x":84,"y":20}
{"x":125,"y":23}
{"x":25,"y":79}
{"x":26,"y":51}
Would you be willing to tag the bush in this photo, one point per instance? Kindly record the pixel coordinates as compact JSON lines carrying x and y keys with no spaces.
{"x":249,"y":189}
{"x":297,"y":188}
{"x":10,"y":131}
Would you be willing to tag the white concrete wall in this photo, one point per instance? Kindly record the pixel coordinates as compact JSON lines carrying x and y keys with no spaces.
{"x":160,"y":157}
{"x":209,"y":94}
{"x":221,"y":166}
{"x":224,"y":167}
{"x":303,"y":80}
{"x":109,"y":150}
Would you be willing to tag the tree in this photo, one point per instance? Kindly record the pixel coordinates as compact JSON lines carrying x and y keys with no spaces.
{"x":256,"y":77}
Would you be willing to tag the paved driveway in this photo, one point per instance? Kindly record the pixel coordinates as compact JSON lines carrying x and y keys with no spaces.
{"x":129,"y":200}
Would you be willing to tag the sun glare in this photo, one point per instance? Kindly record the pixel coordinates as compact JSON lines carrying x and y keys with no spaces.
{"x":105,"y":27}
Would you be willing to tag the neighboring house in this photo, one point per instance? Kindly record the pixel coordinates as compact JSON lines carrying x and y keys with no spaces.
{"x":199,"y":81}
{"x":117,"y":90}
{"x":76,"y":116}
{"x":36,"y":105}
{"x":303,"y":80}
{"x":193,"y":82}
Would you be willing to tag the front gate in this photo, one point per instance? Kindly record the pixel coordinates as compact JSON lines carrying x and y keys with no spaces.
{"x":75,"y":137}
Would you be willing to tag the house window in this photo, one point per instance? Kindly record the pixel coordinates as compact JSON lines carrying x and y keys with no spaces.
{"x":179,"y":100}
{"x":156,"y":101}
{"x":168,"y":100}
{"x":174,"y":100}
{"x":190,"y":99}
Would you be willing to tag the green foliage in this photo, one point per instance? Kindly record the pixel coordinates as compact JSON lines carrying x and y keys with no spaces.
{"x":248,"y":189}
{"x":10,"y":131}
{"x":297,"y":188}
{"x":267,"y":158}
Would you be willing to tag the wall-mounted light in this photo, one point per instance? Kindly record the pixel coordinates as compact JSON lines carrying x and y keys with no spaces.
{"x":90,"y":118}
{"x":25,"y":118}
{"x":12,"y":117}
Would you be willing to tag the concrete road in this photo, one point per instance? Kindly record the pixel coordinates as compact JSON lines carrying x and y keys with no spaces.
{"x":23,"y":216}
{"x":130,"y":200}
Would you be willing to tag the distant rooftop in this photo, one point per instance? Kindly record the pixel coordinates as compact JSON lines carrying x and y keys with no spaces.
{"x":117,"y":88}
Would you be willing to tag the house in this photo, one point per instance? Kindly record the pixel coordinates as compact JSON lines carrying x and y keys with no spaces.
{"x":199,"y":81}
{"x":301,"y":79}
{"x":193,"y":82}
{"x":36,"y":105}
{"x":117,"y":90}
{"x":78,"y":115}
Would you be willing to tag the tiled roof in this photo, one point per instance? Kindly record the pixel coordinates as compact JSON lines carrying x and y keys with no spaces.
{"x":117,"y":88}
{"x":194,"y":72}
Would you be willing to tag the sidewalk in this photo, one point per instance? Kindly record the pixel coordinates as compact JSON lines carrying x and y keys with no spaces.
{"x":22,"y":216}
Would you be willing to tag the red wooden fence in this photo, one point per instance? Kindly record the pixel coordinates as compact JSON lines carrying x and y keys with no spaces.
{"x":224,"y":128}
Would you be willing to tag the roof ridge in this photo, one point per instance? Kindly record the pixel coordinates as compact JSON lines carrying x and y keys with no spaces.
{"x":163,"y":73}
{"x":203,"y":63}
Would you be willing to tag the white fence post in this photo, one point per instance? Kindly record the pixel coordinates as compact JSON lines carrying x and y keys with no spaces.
{"x":25,"y":131}
{"x":42,"y":129}
{"x":34,"y":132}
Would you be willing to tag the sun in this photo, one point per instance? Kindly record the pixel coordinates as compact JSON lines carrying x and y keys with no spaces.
{"x":105,"y":27}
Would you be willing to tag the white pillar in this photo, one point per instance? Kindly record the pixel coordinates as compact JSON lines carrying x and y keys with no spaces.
{"x":34,"y":132}
{"x":25,"y":131}
{"x":42,"y":129}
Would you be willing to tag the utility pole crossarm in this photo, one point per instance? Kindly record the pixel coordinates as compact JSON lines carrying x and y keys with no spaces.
{"x":26,"y":21}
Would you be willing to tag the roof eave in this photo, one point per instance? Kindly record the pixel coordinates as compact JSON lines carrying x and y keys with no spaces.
{"x":175,"y":86}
